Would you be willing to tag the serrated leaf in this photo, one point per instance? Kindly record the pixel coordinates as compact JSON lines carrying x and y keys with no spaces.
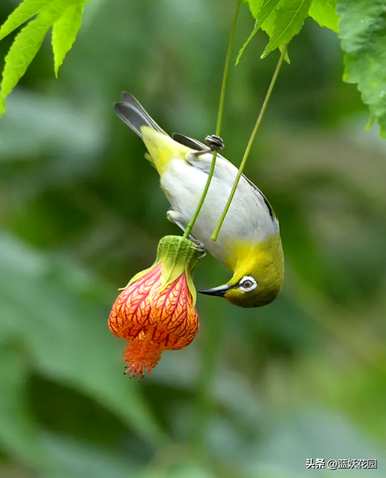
{"x":324,"y":13}
{"x":245,"y":45}
{"x":261,"y":10}
{"x":254,"y":6}
{"x":23,"y":12}
{"x":363,"y":39}
{"x":26,"y":45}
{"x":64,"y":33}
{"x":22,"y":52}
{"x":286,"y":22}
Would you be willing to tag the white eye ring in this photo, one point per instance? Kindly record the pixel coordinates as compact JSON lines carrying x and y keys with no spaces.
{"x":247,"y":283}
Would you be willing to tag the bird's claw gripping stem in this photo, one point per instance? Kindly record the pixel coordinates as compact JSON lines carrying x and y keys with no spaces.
{"x":178,"y":219}
{"x":199,"y":245}
{"x":213,"y":143}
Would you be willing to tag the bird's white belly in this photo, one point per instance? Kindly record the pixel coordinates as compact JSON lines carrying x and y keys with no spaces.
{"x":248,"y":217}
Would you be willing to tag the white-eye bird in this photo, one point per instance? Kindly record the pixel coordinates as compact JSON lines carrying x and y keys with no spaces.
{"x":249,"y":242}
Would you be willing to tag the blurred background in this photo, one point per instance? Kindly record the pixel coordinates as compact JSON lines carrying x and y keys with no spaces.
{"x":259,"y":391}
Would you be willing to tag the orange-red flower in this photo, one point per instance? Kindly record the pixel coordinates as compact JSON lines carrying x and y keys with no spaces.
{"x":155,"y":311}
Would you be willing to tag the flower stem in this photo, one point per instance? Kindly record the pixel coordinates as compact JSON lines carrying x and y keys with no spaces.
{"x":251,"y":140}
{"x":220,"y":115}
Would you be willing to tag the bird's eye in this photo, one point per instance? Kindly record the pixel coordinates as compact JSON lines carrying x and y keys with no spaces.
{"x":247,"y":284}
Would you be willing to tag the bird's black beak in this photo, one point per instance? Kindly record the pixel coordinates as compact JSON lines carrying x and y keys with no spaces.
{"x":217,"y":291}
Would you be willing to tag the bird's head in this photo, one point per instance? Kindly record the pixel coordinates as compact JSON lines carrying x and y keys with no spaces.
{"x":258,"y":274}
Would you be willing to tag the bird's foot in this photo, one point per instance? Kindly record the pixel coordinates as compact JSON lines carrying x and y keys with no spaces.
{"x":213,"y":143}
{"x":198,"y":244}
{"x":179,"y":220}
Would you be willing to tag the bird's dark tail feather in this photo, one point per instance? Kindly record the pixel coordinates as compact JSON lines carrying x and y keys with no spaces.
{"x":134,"y":115}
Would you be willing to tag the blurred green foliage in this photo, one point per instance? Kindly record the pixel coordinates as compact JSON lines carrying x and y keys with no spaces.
{"x":259,"y":391}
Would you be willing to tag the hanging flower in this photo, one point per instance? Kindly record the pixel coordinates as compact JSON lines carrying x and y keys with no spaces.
{"x":155,"y":311}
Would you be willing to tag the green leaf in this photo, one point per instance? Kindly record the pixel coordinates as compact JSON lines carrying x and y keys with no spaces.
{"x":254,"y":6}
{"x":245,"y":45}
{"x":324,"y":13}
{"x":27,"y":43}
{"x":363,"y":39}
{"x":24,"y":439}
{"x":18,"y":433}
{"x":283,"y":19}
{"x":64,"y":33}
{"x":23,"y":12}
{"x":61,"y":323}
{"x":21,"y":54}
{"x":286,"y":22}
{"x":74,"y":458}
{"x":261,"y":10}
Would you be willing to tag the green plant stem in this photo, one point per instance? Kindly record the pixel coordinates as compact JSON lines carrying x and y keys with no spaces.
{"x":251,"y":140}
{"x":220,"y":115}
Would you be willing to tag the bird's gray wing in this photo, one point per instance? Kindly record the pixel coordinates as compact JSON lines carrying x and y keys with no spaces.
{"x":260,"y":194}
{"x":224,"y":171}
{"x":224,"y":168}
{"x":189,"y":142}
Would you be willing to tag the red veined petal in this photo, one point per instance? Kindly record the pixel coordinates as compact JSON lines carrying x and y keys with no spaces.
{"x":173,"y":315}
{"x":130,"y":311}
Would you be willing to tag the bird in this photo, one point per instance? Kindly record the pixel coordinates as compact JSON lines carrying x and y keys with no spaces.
{"x":249,"y":243}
